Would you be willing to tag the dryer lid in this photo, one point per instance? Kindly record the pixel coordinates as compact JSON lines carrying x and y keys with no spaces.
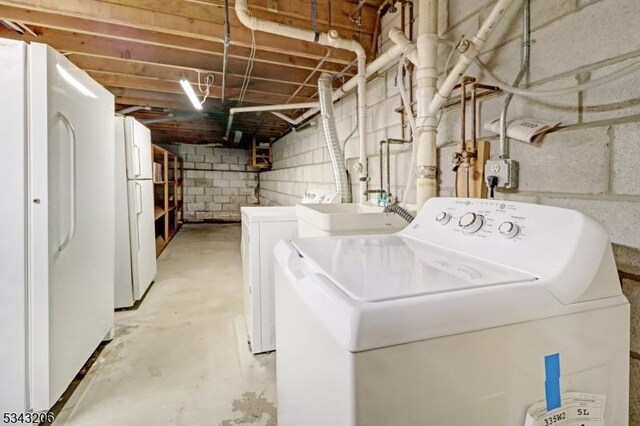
{"x":387,"y":267}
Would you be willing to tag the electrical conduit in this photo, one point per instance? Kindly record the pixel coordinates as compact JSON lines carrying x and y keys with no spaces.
{"x":331,"y":136}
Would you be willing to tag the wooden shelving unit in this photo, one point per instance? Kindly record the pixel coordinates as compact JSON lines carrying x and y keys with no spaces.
{"x":261,"y":157}
{"x":168,"y":196}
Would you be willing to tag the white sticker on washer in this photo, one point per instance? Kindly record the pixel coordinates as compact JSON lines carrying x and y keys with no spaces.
{"x":578,"y":409}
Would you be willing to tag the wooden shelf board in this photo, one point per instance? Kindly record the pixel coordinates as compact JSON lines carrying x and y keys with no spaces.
{"x":158,"y":212}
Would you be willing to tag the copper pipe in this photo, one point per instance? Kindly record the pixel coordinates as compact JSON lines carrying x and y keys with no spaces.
{"x":463,"y":111}
{"x":474,"y":119}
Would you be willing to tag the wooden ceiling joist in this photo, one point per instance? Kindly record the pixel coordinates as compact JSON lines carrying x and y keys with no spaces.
{"x":140,"y":49}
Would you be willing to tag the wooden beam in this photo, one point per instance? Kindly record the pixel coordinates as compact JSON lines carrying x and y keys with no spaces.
{"x":136,"y":36}
{"x":293,"y":13}
{"x":168,"y":72}
{"x":99,"y":46}
{"x":168,"y":22}
{"x":168,"y":86}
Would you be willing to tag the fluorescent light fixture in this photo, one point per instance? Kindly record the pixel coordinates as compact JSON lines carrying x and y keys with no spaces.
{"x":186,"y":86}
{"x":74,"y":82}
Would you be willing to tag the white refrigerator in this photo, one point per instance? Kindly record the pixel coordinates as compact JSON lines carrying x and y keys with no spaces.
{"x":57,"y":238}
{"x":135,"y":220}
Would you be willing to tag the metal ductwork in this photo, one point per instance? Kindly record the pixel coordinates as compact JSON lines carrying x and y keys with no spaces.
{"x":325,"y":94}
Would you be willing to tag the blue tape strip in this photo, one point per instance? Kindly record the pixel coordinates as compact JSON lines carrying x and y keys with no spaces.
{"x":552,"y":381}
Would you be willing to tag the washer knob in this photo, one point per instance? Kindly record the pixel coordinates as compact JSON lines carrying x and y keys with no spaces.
{"x":471,"y":223}
{"x":509,"y":229}
{"x":443,"y":218}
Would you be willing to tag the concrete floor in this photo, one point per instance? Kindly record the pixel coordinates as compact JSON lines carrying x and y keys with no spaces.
{"x":181,"y":358}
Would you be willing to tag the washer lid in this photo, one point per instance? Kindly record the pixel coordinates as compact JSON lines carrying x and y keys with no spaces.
{"x":378,"y":268}
{"x":269,"y":214}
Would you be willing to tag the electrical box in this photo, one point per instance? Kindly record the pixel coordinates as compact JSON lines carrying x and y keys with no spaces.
{"x":501,"y":173}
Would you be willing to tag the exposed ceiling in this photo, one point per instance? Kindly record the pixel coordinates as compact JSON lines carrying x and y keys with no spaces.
{"x":140,"y":49}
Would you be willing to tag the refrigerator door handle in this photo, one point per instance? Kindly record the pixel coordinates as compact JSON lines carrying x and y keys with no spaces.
{"x":72,"y":182}
{"x":139,"y":210}
{"x":136,"y":160}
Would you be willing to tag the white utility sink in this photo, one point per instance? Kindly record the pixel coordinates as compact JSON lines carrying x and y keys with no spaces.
{"x":321,"y":220}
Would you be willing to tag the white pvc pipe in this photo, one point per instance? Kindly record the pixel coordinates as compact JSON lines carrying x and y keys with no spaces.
{"x":284,"y":117}
{"x":269,"y":108}
{"x":473,"y":48}
{"x":427,"y":124}
{"x":330,"y":39}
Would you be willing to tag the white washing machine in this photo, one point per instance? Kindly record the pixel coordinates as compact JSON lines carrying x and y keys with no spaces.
{"x":262,"y":228}
{"x":449,"y":321}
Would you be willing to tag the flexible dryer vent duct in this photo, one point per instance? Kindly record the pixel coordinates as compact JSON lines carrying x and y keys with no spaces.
{"x":325,"y":93}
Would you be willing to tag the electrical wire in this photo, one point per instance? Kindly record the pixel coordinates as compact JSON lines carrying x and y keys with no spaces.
{"x":412,"y":124}
{"x":208,"y":82}
{"x":557,"y":92}
{"x":247,"y":74}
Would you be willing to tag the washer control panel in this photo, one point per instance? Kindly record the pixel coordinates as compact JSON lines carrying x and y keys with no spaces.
{"x":484,"y":218}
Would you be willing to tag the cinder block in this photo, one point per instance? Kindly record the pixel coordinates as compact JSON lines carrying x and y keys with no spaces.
{"x":186,"y":149}
{"x":196,"y":158}
{"x":230,"y":175}
{"x":376,"y":91}
{"x":220,"y":167}
{"x":204,"y":150}
{"x":230,"y":191}
{"x":605,"y":39}
{"x":195,"y":207}
{"x":631,"y":289}
{"x":237,"y":183}
{"x":188,"y":165}
{"x":213,"y":159}
{"x":221,"y":183}
{"x":203,"y":198}
{"x":575,"y":162}
{"x":204,"y":215}
{"x":203,"y":182}
{"x":616,"y":99}
{"x":230,"y":160}
{"x":214,"y":207}
{"x":621,"y":218}
{"x":194,"y":191}
{"x":237,"y":167}
{"x":625,"y":173}
{"x":230,"y":207}
{"x":203,"y":166}
{"x":627,"y":258}
{"x":221,"y":199}
{"x":213,"y":191}
{"x":189,"y":199}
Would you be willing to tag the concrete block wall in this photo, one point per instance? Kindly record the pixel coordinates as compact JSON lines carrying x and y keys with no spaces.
{"x":589,"y":164}
{"x":217,"y":182}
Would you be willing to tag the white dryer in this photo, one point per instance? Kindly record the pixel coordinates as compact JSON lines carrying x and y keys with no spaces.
{"x":449,"y":321}
{"x":262,"y":228}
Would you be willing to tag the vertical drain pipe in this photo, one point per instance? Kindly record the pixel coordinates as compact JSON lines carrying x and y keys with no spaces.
{"x":427,"y":124}
{"x":526,"y":60}
{"x":325,"y":95}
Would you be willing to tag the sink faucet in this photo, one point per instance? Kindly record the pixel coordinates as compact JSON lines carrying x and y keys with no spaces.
{"x":383,"y":199}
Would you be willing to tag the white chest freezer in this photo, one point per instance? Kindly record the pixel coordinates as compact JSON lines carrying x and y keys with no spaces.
{"x":449,"y":321}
